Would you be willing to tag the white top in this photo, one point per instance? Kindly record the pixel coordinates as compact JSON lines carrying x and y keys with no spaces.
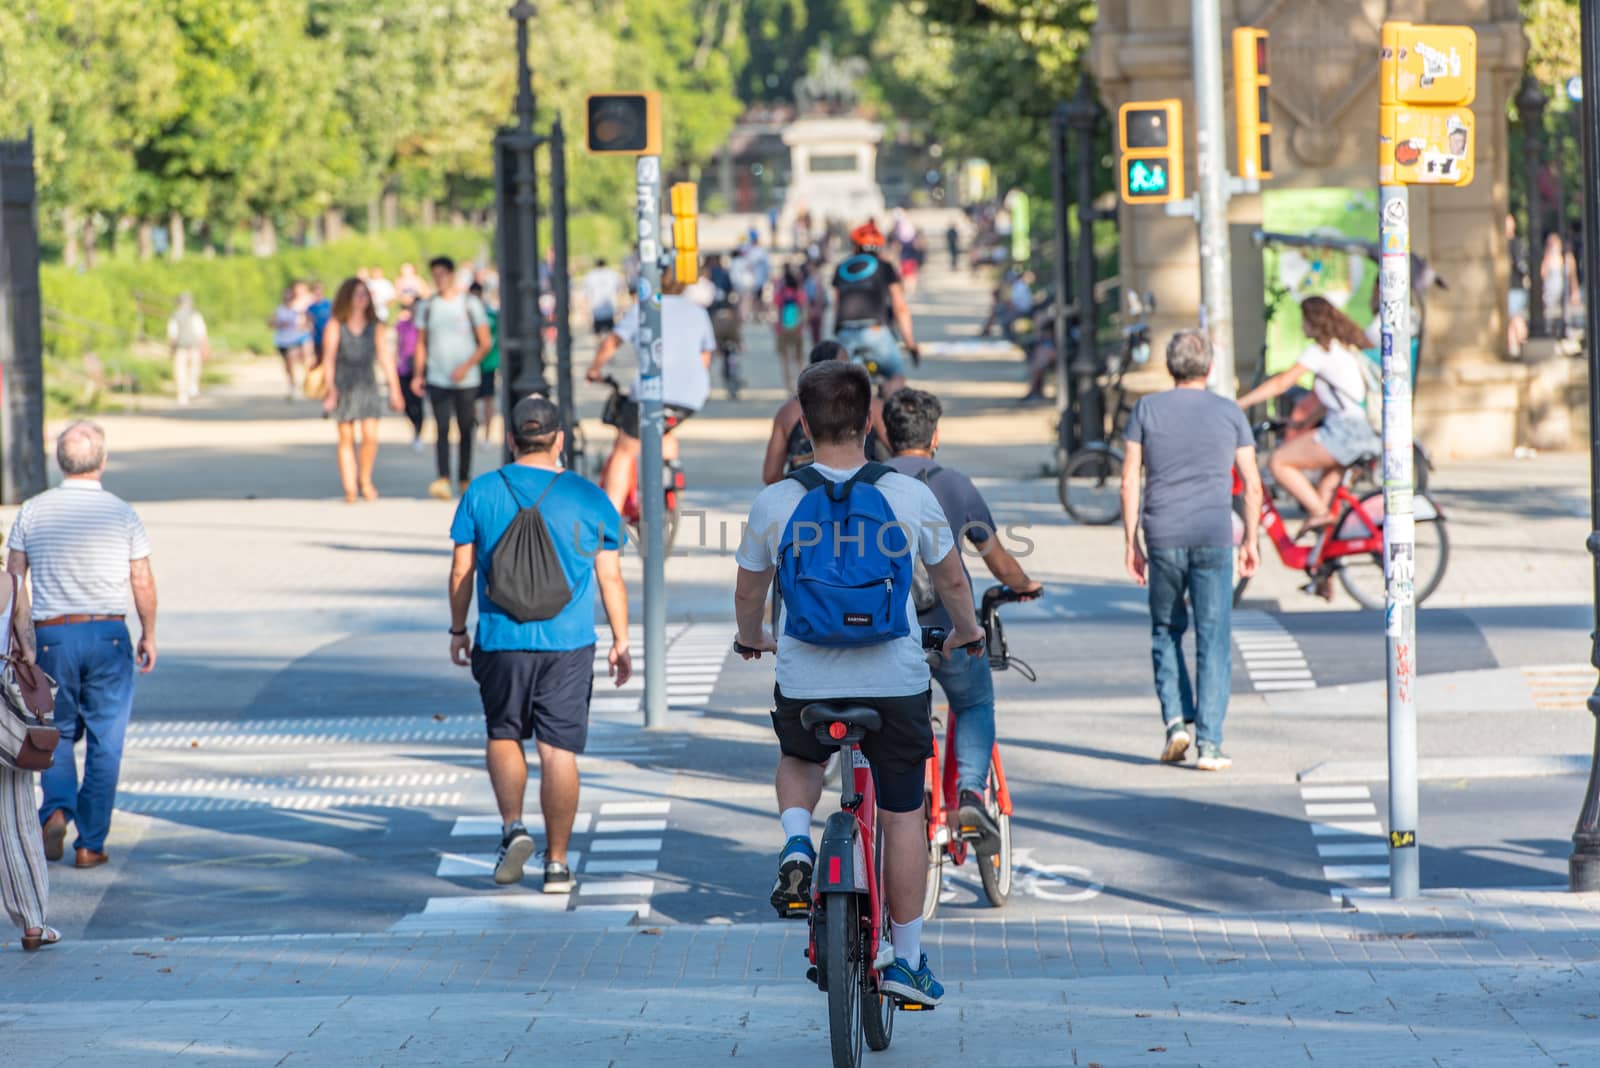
{"x":383,"y":294}
{"x":1340,"y":386}
{"x":600,"y":288}
{"x":288,"y":326}
{"x":815,"y":672}
{"x":79,"y":540}
{"x":685,"y":337}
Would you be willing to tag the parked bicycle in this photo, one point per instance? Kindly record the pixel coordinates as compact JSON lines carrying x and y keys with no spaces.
{"x":1090,"y":482}
{"x":1351,"y":549}
{"x":672,"y":478}
{"x":947,"y":836}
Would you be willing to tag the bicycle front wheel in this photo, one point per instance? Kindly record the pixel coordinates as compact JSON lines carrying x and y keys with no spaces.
{"x":935,"y":885}
{"x":1090,"y":485}
{"x":995,"y":868}
{"x":1362,"y":576}
{"x":842,"y":947}
{"x":877,"y":1012}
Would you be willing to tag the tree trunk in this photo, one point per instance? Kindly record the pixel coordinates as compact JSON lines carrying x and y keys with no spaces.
{"x":430,"y":212}
{"x":374,"y":215}
{"x":71,"y":226}
{"x":458,"y":218}
{"x":177,"y":235}
{"x":391,"y":210}
{"x":264,"y":236}
{"x":147,"y":239}
{"x":332,"y":225}
{"x":86,"y":234}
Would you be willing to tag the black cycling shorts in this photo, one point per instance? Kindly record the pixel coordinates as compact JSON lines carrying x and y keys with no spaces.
{"x":626,"y":416}
{"x":541,"y":695}
{"x":898,"y":752}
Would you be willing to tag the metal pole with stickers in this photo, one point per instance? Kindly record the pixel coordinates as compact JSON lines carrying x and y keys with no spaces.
{"x":1427,"y":78}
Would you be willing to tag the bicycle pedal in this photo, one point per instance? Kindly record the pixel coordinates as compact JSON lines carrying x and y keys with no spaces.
{"x":913,"y":1006}
{"x":795,"y":910}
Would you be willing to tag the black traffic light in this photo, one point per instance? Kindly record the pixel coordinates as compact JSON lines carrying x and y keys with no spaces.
{"x":624,"y":124}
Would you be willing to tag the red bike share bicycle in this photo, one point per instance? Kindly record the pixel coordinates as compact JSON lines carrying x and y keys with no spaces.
{"x":1351,"y":549}
{"x":947,"y":836}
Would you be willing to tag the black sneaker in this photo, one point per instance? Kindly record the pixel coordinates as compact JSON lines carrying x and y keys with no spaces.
{"x":791,"y":893}
{"x":558,"y":878}
{"x":974,"y":822}
{"x":515,"y":849}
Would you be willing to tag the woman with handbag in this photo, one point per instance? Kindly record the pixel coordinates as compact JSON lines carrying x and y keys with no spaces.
{"x":27,"y":744}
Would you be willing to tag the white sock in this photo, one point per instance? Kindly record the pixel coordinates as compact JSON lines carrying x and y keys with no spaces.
{"x":507,"y":828}
{"x":907,"y":939}
{"x":796,"y":823}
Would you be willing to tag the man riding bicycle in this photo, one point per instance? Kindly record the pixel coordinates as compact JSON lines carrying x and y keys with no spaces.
{"x":889,"y":673}
{"x":912,"y":419}
{"x":686,"y":350}
{"x":869,"y":296}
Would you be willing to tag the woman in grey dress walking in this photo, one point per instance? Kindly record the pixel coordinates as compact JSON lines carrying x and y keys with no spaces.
{"x":356,"y":352}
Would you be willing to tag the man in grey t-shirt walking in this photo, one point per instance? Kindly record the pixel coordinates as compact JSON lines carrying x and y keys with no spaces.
{"x":452,"y":340}
{"x":1186,"y":443}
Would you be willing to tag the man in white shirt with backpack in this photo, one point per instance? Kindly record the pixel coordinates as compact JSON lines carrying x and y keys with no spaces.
{"x":850,"y":632}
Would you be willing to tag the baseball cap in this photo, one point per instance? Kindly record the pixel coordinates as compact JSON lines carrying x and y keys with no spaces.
{"x":534,"y":417}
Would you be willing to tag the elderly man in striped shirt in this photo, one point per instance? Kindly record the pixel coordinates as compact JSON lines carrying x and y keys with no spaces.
{"x":86,"y":548}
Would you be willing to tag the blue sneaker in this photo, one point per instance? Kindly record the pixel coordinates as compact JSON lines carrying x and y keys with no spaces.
{"x":917,"y":986}
{"x":791,"y":894}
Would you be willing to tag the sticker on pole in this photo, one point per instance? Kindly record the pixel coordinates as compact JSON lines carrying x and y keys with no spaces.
{"x":650,"y":388}
{"x":1425,"y":146}
{"x":1402,"y":839}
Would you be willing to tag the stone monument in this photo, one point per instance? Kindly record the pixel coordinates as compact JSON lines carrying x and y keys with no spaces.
{"x":833,"y":153}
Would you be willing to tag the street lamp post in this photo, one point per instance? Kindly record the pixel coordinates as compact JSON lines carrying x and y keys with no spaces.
{"x":1083,"y":116}
{"x":1066,"y":442}
{"x":1531,"y":102}
{"x":1583,"y":867}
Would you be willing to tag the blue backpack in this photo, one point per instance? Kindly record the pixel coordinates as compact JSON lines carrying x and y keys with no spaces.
{"x":845,"y":562}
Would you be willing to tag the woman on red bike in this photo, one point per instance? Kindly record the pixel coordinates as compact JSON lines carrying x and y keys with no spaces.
{"x":1344,"y":436}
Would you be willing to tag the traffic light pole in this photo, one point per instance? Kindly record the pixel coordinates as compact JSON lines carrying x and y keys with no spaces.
{"x":562,"y":281}
{"x":1066,"y":440}
{"x":647,"y":174}
{"x":1211,"y":199}
{"x":1399,"y":537}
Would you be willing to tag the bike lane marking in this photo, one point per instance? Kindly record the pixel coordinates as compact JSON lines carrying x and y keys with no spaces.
{"x":1272,"y":657}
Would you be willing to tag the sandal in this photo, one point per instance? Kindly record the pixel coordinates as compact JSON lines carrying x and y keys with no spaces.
{"x":47,"y":936}
{"x":1314,"y":523}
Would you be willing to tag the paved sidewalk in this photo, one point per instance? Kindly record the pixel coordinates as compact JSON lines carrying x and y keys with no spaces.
{"x":1456,"y":978}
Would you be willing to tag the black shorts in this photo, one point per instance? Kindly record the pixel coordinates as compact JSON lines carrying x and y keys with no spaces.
{"x":542,"y":695}
{"x":486,"y":384}
{"x":898,"y":752}
{"x":626,"y":416}
{"x":604,"y":326}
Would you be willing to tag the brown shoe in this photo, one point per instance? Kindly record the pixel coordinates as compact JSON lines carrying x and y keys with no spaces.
{"x":55,"y":835}
{"x":88,"y":858}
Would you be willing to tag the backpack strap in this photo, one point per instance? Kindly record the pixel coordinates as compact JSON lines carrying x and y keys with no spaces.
{"x":867,"y":474}
{"x":537,"y":501}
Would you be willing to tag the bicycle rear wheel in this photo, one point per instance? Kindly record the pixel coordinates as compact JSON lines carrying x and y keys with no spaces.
{"x":1090,"y":485}
{"x":935,"y":885}
{"x":842,"y":946}
{"x":995,"y":868}
{"x":1362,"y":576}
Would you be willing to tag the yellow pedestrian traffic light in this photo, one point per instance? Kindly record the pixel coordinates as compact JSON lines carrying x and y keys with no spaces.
{"x":684,"y":199}
{"x":1151,"y":132}
{"x":1252,"y":120}
{"x":1427,"y":80}
{"x":623,"y":124}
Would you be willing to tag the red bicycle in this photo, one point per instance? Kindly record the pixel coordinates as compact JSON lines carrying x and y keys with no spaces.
{"x":947,"y":836}
{"x":1351,"y":548}
{"x":672,"y":479}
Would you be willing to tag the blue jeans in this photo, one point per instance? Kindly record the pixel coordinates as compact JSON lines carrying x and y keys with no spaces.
{"x":876,"y":343}
{"x":93,"y":665}
{"x":1205,"y":573}
{"x":969,"y":687}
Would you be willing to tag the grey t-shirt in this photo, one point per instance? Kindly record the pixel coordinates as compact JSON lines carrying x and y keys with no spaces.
{"x":452,"y":323}
{"x":1189,"y":438}
{"x":965,"y":509}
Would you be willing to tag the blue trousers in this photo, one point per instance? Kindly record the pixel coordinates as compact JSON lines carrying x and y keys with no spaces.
{"x":969,"y":687}
{"x":93,"y":665}
{"x":1205,"y":573}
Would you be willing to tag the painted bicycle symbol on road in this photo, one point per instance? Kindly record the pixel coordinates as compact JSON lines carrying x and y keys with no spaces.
{"x":1056,"y":883}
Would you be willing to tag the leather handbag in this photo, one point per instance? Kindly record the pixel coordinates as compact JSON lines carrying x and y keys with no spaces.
{"x":28,"y":734}
{"x":316,"y":382}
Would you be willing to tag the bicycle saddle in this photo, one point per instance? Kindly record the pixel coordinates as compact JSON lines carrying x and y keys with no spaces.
{"x":822,"y":713}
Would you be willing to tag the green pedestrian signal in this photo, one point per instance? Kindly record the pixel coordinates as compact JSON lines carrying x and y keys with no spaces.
{"x":1147,"y":177}
{"x":1151,"y":134}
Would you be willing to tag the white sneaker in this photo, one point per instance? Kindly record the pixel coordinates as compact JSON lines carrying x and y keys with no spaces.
{"x":1212,"y":758}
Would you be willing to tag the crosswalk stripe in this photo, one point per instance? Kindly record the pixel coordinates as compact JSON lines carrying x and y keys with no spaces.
{"x":486,"y":826}
{"x":481,"y":865}
{"x":1334,"y":830}
{"x":1335,"y":872}
{"x":1342,"y":808}
{"x":1334,"y":793}
{"x":1353,"y":849}
{"x":617,"y":888}
{"x":625,"y":845}
{"x":611,"y":826}
{"x":618,"y":866}
{"x":634,"y":808}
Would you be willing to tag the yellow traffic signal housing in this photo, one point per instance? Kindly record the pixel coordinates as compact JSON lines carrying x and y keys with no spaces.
{"x":1151,"y":132}
{"x":1425,"y":146}
{"x":1252,"y":121}
{"x":684,"y":199}
{"x":1427,"y":80}
{"x":623,"y":124}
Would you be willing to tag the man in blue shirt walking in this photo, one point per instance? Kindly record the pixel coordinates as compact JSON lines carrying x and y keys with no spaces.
{"x":535,"y":678}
